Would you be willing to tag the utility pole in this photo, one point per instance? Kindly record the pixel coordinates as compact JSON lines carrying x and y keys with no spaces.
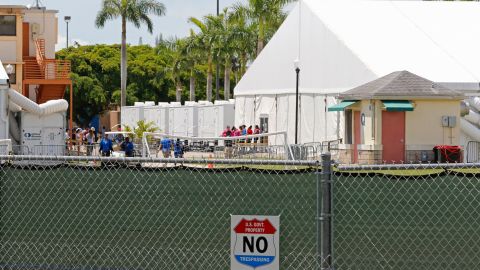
{"x":217,"y":81}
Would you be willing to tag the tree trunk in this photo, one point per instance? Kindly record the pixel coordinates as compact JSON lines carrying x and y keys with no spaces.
{"x":209,"y":79}
{"x":123,"y":64}
{"x":243,"y":64}
{"x":192,"y":86}
{"x":261,"y":36}
{"x":178,"y":91}
{"x":226,"y":84}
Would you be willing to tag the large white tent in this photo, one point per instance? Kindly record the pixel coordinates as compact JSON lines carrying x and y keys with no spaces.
{"x":342,"y":44}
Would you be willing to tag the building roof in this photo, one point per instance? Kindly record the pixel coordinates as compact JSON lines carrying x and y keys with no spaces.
{"x":401,"y":84}
{"x":29,"y":9}
{"x":342,"y":44}
{"x":12,"y":7}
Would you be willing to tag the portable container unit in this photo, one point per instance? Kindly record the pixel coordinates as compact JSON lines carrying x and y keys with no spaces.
{"x":132,"y":114}
{"x":213,"y":119}
{"x":159,"y":116}
{"x":183,"y":120}
{"x":43,"y":135}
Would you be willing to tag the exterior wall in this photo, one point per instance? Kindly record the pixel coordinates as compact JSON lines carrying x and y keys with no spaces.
{"x":423,"y":130}
{"x":424,"y":127}
{"x":47,"y":20}
{"x":314,"y":125}
{"x":11,"y":46}
{"x":109,"y":119}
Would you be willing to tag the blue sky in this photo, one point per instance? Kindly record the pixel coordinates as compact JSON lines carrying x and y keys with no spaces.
{"x":82,"y":27}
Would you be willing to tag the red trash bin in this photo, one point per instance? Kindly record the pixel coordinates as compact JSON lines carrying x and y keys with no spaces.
{"x":448,"y":153}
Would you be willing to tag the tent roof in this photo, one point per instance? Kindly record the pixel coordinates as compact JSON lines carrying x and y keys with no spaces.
{"x":342,"y":44}
{"x":400,"y":84}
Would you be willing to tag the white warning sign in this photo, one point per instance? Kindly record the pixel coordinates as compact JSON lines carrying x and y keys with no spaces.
{"x":255,"y":242}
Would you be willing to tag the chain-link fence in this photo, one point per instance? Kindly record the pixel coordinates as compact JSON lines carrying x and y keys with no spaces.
{"x":144,"y":213}
{"x":407,"y":217}
{"x":98,"y":213}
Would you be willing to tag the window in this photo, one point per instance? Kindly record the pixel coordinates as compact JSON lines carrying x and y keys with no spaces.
{"x":12,"y":77}
{"x":8,"y":25}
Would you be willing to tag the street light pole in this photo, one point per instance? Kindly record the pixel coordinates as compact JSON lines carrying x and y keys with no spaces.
{"x":67,"y":20}
{"x":297,"y":71}
{"x":217,"y":79}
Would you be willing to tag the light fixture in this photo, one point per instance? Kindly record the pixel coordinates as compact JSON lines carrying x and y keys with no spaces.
{"x":67,"y":20}
{"x":296,"y":63}
{"x":9,"y":69}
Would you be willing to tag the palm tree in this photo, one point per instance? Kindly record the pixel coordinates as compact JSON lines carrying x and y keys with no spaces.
{"x":207,"y":36}
{"x":264,"y":14}
{"x":142,"y":127}
{"x":134,"y":11}
{"x":244,"y":41}
{"x":176,"y":64}
{"x":193,"y":53}
{"x":225,"y":46}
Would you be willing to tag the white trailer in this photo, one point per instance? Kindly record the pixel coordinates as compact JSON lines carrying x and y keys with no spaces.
{"x":132,"y":114}
{"x":183,"y":120}
{"x":159,"y":116}
{"x":214,"y":118}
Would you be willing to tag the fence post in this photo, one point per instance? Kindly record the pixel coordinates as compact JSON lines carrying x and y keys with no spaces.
{"x":324,"y":213}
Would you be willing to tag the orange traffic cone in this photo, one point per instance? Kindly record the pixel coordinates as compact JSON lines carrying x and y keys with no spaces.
{"x":210,"y":165}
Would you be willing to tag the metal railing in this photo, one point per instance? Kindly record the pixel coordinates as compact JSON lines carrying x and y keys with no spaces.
{"x":48,"y":69}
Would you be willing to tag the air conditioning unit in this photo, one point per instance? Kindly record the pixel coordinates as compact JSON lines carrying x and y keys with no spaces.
{"x":35,"y":30}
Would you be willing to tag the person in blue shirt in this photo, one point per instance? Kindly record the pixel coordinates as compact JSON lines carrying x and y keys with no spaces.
{"x":106,"y":146}
{"x":127,"y":146}
{"x":166,"y":147}
{"x":178,"y":149}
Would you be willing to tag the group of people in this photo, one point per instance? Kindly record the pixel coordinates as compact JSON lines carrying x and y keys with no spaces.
{"x":242,"y":131}
{"x":90,"y":137}
{"x":167,"y":144}
{"x":126,"y":145}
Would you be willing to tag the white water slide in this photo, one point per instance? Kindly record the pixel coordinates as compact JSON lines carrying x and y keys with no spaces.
{"x":470,"y":123}
{"x":470,"y":129}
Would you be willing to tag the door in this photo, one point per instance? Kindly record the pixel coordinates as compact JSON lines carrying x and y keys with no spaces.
{"x":393,"y":136}
{"x":356,"y":135}
{"x":264,"y":127}
{"x":26,"y":40}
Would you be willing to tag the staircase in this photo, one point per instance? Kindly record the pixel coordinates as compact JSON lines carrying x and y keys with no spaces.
{"x":48,"y":92}
{"x":51,"y":76}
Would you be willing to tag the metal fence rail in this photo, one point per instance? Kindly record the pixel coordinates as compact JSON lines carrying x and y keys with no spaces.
{"x":145,"y":213}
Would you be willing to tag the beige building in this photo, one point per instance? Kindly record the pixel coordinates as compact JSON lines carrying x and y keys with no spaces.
{"x":400,"y":117}
{"x":27,"y":43}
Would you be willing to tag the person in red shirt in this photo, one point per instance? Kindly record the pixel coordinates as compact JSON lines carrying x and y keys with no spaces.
{"x":227,"y":130}
{"x":249,"y":132}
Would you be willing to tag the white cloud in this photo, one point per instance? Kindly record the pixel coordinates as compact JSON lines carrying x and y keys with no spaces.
{"x":62,"y":42}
